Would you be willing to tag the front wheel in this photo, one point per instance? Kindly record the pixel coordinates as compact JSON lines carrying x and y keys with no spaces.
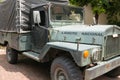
{"x":65,"y":69}
{"x":12,"y":55}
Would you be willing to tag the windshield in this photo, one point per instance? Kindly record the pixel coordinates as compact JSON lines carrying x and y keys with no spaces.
{"x":66,"y":14}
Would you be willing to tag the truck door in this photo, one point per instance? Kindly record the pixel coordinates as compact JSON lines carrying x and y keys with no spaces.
{"x":39,"y":30}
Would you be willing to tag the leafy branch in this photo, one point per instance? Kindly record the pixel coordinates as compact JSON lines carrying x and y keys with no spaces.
{"x":110,"y":7}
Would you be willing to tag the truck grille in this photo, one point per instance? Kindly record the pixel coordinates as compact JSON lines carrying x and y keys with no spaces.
{"x":112,"y":47}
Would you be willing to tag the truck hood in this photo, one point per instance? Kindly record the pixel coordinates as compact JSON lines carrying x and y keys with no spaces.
{"x":90,"y":34}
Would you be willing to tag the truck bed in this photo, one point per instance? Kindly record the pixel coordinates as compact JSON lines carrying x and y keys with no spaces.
{"x":14,"y":15}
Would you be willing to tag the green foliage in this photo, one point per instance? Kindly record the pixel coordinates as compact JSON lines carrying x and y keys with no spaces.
{"x":79,"y":2}
{"x":113,"y":12}
{"x":110,"y":7}
{"x":98,"y":6}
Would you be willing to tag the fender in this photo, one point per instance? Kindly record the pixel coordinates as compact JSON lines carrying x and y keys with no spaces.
{"x":75,"y":52}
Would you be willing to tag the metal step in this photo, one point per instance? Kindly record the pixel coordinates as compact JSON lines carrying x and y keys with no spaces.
{"x":32,"y":55}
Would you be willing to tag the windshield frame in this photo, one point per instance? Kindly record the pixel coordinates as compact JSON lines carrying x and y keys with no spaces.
{"x":67,"y":22}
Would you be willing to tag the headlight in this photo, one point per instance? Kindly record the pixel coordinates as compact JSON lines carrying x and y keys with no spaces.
{"x":95,"y":56}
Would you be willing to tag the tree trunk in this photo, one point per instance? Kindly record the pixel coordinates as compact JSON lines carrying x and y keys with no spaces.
{"x":96,"y":17}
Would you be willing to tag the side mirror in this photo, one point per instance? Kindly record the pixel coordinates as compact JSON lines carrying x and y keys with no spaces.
{"x":36,"y":17}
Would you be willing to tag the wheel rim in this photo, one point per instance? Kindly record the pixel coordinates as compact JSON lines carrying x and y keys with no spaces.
{"x":60,"y":74}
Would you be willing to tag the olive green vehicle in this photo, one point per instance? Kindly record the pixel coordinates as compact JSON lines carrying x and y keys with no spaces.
{"x":55,"y":32}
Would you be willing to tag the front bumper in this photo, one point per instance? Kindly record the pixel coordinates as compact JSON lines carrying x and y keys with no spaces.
{"x":102,"y":68}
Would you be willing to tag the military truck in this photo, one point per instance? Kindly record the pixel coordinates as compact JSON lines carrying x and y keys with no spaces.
{"x":55,"y":32}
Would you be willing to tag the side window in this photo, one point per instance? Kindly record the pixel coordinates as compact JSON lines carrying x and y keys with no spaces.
{"x":42,"y":15}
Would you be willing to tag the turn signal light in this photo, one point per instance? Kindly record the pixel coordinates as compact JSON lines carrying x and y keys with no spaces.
{"x":86,"y":54}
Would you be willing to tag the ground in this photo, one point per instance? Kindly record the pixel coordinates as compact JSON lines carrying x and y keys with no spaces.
{"x":28,"y":69}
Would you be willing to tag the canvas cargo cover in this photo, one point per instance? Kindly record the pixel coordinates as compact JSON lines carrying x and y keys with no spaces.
{"x":14,"y":15}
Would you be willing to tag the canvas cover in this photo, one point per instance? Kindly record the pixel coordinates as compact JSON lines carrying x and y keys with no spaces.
{"x":14,"y":15}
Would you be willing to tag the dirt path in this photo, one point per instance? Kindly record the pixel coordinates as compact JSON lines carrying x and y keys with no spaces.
{"x":27,"y":69}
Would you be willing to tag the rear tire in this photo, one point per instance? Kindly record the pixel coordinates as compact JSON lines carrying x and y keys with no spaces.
{"x":64,"y":68}
{"x":115,"y":72}
{"x":12,"y":55}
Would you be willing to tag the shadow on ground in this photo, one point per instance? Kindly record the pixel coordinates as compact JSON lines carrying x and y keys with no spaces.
{"x":29,"y":68}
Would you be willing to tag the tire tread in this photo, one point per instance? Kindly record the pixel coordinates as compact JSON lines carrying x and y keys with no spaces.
{"x":69,"y":65}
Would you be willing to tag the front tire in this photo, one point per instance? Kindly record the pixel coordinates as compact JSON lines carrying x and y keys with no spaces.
{"x":12,"y":55}
{"x":65,"y":69}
